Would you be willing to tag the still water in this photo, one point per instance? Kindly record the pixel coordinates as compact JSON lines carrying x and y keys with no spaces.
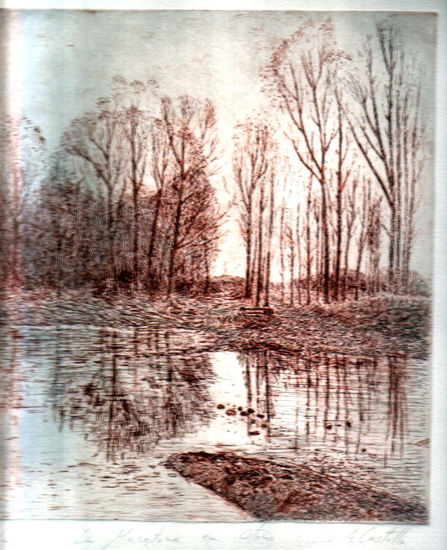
{"x":90,"y":414}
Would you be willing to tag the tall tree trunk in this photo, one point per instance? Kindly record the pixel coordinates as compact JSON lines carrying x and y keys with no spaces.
{"x":281,"y":251}
{"x":292,"y":267}
{"x":174,"y":247}
{"x":339,"y":214}
{"x":111,"y":240}
{"x":152,"y":241}
{"x":207,"y":271}
{"x":317,"y":259}
{"x":308,"y":237}
{"x":136,"y":235}
{"x":325,"y":224}
{"x":346,"y":262}
{"x":135,"y":197}
{"x":15,"y":213}
{"x":248,"y":270}
{"x":392,"y":252}
{"x":358,"y":267}
{"x":14,"y":270}
{"x":362,"y":239}
{"x":260,"y":251}
{"x":298,"y":253}
{"x":269,"y":243}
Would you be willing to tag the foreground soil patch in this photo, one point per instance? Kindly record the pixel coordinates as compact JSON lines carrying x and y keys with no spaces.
{"x":272,"y":491}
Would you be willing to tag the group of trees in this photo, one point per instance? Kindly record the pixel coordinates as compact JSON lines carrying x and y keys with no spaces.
{"x":356,"y":144}
{"x":95,"y":220}
{"x":21,"y":149}
{"x":324,"y":185}
{"x":254,"y":174}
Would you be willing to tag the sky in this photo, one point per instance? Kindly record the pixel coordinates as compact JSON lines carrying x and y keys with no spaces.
{"x":60,"y":62}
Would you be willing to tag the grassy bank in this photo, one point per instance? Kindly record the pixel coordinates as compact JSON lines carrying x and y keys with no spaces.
{"x":380,"y":325}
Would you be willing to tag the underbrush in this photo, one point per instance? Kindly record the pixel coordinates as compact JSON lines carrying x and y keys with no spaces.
{"x":393,"y":314}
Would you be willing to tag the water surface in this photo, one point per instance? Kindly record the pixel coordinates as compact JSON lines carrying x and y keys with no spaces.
{"x":90,"y":414}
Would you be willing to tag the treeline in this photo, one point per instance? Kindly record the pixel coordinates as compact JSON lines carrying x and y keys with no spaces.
{"x":355,"y":160}
{"x":126,"y":203}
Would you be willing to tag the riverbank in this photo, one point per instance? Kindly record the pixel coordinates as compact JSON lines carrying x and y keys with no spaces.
{"x":382,"y":325}
{"x":273,"y":491}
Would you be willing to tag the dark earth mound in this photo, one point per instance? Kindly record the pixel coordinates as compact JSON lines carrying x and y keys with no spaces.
{"x":273,"y":491}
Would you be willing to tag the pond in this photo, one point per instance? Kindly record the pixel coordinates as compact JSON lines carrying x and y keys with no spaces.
{"x":90,"y":414}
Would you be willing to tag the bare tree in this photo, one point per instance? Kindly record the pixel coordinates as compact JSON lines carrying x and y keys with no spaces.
{"x":350,"y":222}
{"x":282,"y":247}
{"x":374,"y":244}
{"x":96,"y":139}
{"x":271,"y":220}
{"x":192,"y":146}
{"x":342,"y":177}
{"x":290,"y":240}
{"x":22,"y":147}
{"x":388,"y":113}
{"x":162,"y":174}
{"x":298,"y":250}
{"x":317,"y":258}
{"x":250,"y":165}
{"x":365,"y":214}
{"x":66,"y":236}
{"x":414,"y":158}
{"x":303,"y":69}
{"x":260,"y":207}
{"x":136,"y":124}
{"x":308,"y":239}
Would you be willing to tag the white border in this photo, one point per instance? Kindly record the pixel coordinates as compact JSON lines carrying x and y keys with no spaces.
{"x":49,"y":535}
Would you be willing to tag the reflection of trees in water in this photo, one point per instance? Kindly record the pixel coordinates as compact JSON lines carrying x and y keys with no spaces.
{"x":9,"y":363}
{"x":258,"y":379}
{"x":396,"y":404}
{"x":343,"y":401}
{"x":135,"y":392}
